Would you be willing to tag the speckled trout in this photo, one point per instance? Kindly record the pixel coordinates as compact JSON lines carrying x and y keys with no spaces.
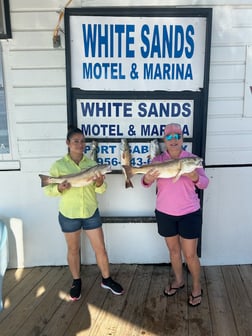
{"x":125,"y":153}
{"x":94,"y":150}
{"x":154,"y":149}
{"x":168,"y":169}
{"x":80,"y":179}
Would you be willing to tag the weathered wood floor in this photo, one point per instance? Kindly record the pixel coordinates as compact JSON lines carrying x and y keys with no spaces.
{"x":36,"y":303}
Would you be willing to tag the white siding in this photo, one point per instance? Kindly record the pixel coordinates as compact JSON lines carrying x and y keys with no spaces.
{"x":248,"y":84}
{"x":37,"y":107}
{"x":229,"y":131}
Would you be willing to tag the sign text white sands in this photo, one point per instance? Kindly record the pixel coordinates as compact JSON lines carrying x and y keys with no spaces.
{"x":118,"y":118}
{"x":137,"y":53}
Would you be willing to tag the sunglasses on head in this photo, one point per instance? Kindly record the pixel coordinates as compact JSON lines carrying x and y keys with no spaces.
{"x":175,"y":136}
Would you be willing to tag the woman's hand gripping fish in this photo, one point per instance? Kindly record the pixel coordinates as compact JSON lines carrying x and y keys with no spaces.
{"x":168,"y":169}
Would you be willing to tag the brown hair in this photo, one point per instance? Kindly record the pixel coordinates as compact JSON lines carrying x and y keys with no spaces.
{"x":73,"y":130}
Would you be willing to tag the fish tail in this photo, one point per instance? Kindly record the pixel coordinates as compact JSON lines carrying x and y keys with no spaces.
{"x":128,"y":174}
{"x":44,"y":180}
{"x":128,"y":184}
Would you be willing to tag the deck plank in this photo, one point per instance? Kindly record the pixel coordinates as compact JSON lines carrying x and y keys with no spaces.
{"x":30,"y":303}
{"x":154,"y":318}
{"x":239,"y":301}
{"x":219,"y":304}
{"x":47,"y":304}
{"x":37,"y":303}
{"x":14,"y":277}
{"x":198,"y":317}
{"x":246,"y":277}
{"x":92,"y":307}
{"x":64,"y":315}
{"x":132,"y":315}
{"x":110,"y":316}
{"x":19,"y":292}
{"x":176,"y":312}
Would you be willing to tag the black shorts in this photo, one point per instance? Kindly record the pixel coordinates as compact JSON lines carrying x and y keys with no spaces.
{"x":187,"y":226}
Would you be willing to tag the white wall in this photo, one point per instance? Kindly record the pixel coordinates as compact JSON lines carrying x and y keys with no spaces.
{"x":35,"y":78}
{"x":227,"y":229}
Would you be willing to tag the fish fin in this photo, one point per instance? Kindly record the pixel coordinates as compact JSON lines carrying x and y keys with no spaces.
{"x":176,"y":178}
{"x":44,"y":180}
{"x":128,"y":184}
{"x":128,"y":174}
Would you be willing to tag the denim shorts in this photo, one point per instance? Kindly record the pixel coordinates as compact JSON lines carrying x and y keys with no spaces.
{"x":187,"y":226}
{"x":75,"y":224}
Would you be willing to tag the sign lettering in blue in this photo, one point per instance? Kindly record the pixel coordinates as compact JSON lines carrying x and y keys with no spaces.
{"x":156,"y":53}
{"x":111,"y":154}
{"x":132,"y":119}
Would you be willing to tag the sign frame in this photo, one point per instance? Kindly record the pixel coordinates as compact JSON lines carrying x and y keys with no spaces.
{"x":143,"y":95}
{"x":5,"y":22}
{"x":199,"y":127}
{"x":199,"y":96}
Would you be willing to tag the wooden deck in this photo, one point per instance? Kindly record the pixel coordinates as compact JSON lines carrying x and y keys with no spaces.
{"x":36,"y":303}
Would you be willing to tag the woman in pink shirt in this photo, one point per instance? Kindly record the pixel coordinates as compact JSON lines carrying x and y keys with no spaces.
{"x":178,"y":213}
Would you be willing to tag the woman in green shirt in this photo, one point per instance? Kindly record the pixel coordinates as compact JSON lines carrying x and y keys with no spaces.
{"x":78,"y":209}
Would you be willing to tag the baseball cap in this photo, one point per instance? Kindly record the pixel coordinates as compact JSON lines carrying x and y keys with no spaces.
{"x":172,"y":128}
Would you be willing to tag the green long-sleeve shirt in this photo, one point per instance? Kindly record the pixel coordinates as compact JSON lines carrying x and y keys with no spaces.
{"x":75,"y":202}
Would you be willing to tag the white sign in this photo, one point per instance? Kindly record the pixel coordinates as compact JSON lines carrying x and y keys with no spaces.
{"x":137,"y":53}
{"x":124,"y":118}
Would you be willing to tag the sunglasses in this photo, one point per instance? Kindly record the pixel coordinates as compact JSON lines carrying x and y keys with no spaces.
{"x":175,"y":136}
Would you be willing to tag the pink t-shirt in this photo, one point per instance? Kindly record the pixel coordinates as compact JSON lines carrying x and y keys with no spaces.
{"x":180,"y":197}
